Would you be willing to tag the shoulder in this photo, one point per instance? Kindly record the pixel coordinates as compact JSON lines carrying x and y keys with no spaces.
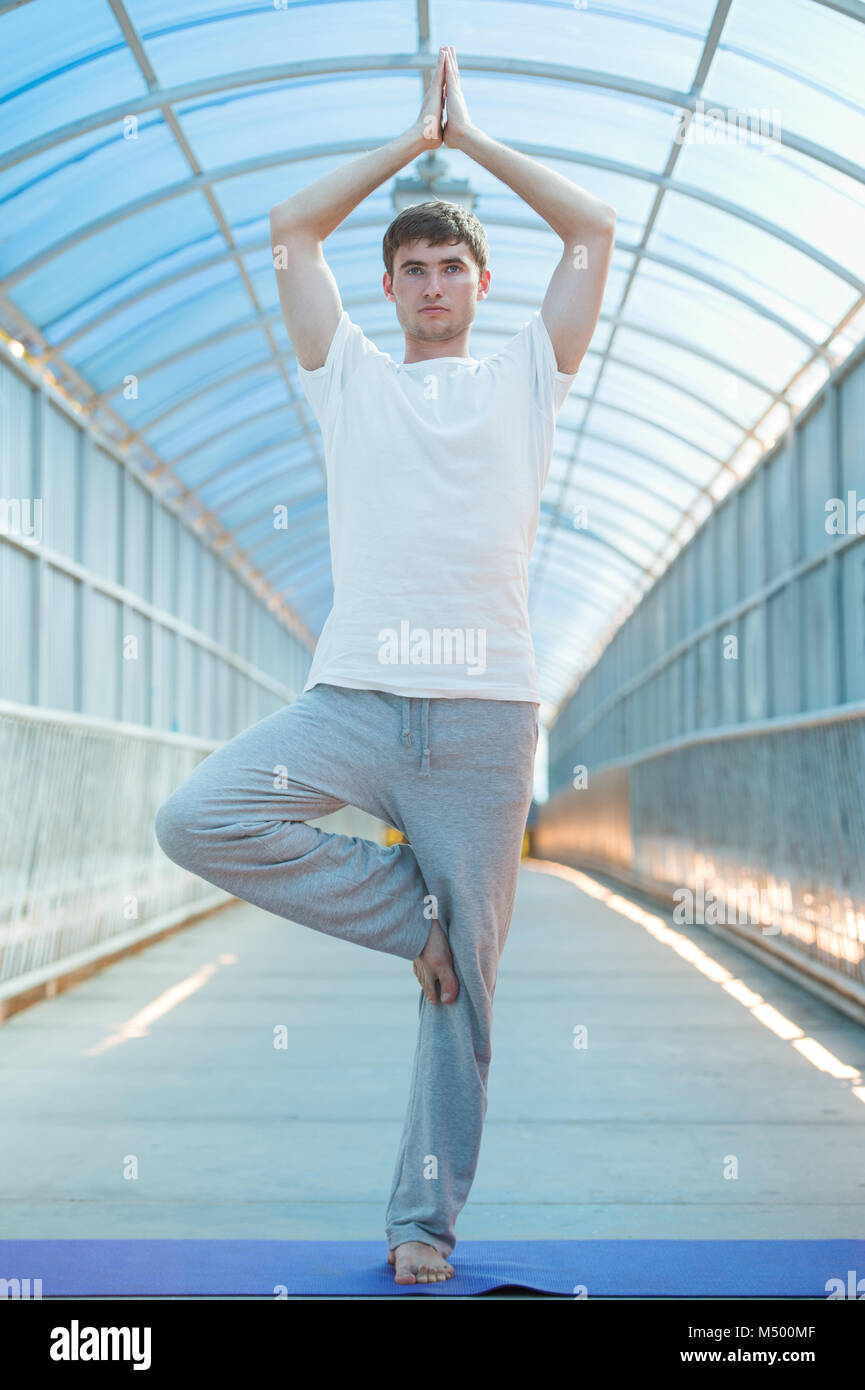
{"x":529,"y":357}
{"x":350,"y":356}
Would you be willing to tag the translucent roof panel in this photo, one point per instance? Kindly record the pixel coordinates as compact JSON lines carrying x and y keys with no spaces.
{"x":143,"y":143}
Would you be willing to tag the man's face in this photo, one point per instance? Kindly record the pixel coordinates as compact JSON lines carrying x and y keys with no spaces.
{"x":436,"y":289}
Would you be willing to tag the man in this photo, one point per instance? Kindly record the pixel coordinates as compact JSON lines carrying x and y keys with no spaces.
{"x":435,"y":468}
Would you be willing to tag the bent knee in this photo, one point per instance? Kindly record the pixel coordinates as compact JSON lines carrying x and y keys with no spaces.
{"x":175,"y":829}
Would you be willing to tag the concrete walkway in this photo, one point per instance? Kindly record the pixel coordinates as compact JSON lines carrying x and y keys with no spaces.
{"x":200,"y":1126}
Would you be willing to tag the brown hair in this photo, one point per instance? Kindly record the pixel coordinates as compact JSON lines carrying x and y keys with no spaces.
{"x":438,"y":223}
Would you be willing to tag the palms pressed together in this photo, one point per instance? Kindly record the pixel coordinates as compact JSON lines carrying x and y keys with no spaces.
{"x":444,"y":117}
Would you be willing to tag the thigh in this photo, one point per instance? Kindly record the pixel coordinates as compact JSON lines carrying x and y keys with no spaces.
{"x":466,"y":822}
{"x":299,"y":763}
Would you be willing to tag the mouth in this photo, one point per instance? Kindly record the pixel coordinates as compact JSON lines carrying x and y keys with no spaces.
{"x":433,"y":309}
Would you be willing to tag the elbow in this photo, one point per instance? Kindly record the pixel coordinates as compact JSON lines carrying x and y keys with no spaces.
{"x":286,"y":224}
{"x":285,"y":218}
{"x":600,"y":225}
{"x":280,"y":217}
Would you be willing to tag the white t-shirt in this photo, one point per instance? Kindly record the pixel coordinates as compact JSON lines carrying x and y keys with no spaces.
{"x":434,"y":477}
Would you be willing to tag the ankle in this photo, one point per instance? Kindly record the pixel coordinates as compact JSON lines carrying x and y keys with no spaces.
{"x":437,"y":937}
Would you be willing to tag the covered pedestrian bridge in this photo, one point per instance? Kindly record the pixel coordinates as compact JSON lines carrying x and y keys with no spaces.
{"x":679,"y":1016}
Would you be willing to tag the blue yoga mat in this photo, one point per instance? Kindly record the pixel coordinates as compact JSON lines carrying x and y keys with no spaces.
{"x":606,"y":1268}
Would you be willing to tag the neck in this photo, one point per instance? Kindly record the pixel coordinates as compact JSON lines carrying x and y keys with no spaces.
{"x":420,"y":350}
{"x":428,"y":352}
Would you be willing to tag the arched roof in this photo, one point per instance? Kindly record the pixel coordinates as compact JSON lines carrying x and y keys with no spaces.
{"x":142,"y":145}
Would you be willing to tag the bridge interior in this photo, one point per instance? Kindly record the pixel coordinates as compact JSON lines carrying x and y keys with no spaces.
{"x":679,"y":1015}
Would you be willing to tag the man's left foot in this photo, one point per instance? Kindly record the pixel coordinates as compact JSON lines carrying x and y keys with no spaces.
{"x":434,"y":968}
{"x":419,"y":1263}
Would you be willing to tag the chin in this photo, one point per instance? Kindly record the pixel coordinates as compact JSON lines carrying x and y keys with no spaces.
{"x":432,"y":324}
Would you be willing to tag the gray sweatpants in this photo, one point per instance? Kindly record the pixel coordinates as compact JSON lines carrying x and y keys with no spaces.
{"x":455,"y":776}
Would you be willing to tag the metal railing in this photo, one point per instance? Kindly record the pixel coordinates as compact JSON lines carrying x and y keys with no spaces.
{"x":758,"y":829}
{"x":80,"y":867}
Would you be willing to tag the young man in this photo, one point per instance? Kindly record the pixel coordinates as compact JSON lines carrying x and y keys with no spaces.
{"x":435,"y":468}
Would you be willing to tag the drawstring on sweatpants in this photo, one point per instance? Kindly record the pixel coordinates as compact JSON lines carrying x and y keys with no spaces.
{"x":407,"y":734}
{"x":424,"y":772}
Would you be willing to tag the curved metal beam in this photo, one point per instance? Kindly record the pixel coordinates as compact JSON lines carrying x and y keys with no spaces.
{"x":267,"y":363}
{"x":257,"y":320}
{"x":259,"y":367}
{"x":853,"y":9}
{"x":310,"y":539}
{"x":689,"y":104}
{"x":582,"y":600}
{"x":674,"y":506}
{"x":274,"y":576}
{"x":589,"y":568}
{"x":235,"y":254}
{"x":243,"y":424}
{"x":626,"y":478}
{"x":279,"y":575}
{"x":587,"y":534}
{"x":579,"y":534}
{"x":161,"y":98}
{"x":578,"y":595}
{"x":615,"y":504}
{"x":282,"y":573}
{"x":239,"y":464}
{"x":615,"y":321}
{"x":199,"y":182}
{"x":294,"y":504}
{"x":311,"y":503}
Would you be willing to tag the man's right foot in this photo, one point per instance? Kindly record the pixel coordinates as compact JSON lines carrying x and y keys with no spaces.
{"x":416,"y":1262}
{"x":435,"y":967}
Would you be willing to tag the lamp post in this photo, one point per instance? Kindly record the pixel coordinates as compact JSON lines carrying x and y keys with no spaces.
{"x":427,"y":183}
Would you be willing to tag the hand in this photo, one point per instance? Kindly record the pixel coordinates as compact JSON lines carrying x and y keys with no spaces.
{"x":428,"y":125}
{"x":458,"y":123}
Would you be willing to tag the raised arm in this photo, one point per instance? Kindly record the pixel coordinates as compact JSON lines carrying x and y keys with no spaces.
{"x":586,"y":225}
{"x":308,"y":292}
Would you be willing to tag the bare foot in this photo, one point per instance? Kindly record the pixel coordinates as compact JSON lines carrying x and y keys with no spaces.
{"x":419,"y":1263}
{"x":435,"y":964}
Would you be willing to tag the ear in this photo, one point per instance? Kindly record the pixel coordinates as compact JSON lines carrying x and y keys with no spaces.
{"x":387,"y":286}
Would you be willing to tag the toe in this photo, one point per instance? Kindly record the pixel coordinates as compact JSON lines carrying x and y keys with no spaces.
{"x":449,"y":986}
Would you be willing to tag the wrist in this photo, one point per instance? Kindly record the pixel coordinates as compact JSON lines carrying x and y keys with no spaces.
{"x":417,"y":143}
{"x":467,"y":137}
